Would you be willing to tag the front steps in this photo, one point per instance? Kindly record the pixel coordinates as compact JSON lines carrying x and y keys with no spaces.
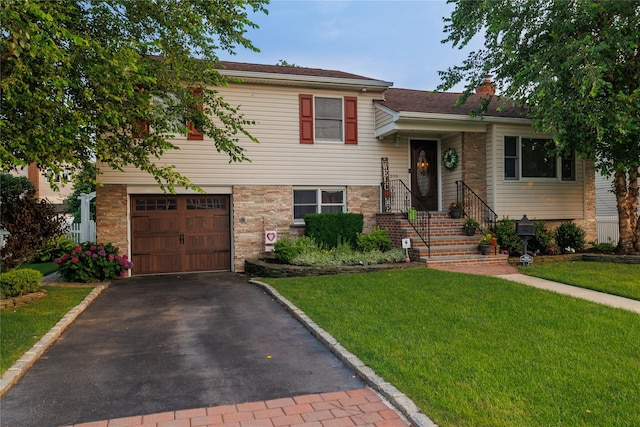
{"x":449,"y":244}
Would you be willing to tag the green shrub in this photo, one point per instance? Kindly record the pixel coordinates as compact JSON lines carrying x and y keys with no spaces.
{"x":332,"y":229}
{"x":604,"y":247}
{"x":507,"y":238}
{"x":344,"y":255}
{"x":55,"y":248}
{"x":543,"y":239}
{"x":378,"y":239}
{"x":286,"y":249}
{"x":19,"y":282}
{"x":92,"y":261}
{"x":570,"y":237}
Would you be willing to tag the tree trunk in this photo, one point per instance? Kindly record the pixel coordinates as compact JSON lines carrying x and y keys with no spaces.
{"x":634,"y":214}
{"x":627,"y":203}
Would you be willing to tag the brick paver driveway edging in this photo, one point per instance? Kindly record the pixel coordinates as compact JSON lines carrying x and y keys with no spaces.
{"x":398,"y":399}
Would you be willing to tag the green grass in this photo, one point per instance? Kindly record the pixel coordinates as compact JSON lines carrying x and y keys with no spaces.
{"x":23,"y":326}
{"x":613,"y":278}
{"x":43,"y":267}
{"x":480,"y":351}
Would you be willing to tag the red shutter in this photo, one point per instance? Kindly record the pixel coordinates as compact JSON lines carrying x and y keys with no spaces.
{"x":306,"y":119}
{"x":193,"y":133}
{"x":350,"y":120}
{"x":141,"y":129}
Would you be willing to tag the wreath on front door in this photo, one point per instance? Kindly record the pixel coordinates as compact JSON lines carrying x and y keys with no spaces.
{"x":450,"y":159}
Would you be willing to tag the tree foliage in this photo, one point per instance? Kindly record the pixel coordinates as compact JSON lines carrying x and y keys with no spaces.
{"x":30,"y":223}
{"x":11,"y":188}
{"x":575,"y":64}
{"x":79,"y":78}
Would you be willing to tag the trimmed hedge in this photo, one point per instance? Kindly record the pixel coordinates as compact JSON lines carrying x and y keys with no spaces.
{"x":19,"y":282}
{"x":332,"y":229}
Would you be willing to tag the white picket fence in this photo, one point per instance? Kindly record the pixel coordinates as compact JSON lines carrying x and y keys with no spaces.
{"x":3,"y":235}
{"x":607,"y":229}
{"x":80,"y":235}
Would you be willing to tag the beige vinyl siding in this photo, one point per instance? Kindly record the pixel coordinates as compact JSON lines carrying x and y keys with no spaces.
{"x":279,"y":158}
{"x":536,"y":198}
{"x":449,"y":178}
{"x":382,"y":118}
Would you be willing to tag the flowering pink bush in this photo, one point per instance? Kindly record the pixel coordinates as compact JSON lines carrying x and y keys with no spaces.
{"x":91,"y":261}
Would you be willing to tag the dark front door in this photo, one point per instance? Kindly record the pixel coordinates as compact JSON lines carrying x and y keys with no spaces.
{"x":424,"y":173}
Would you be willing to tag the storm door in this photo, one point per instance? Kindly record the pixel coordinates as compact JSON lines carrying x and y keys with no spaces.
{"x":424,"y":173}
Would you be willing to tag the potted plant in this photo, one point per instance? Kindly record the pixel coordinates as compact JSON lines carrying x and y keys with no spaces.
{"x":487,"y":242}
{"x":456,"y":209}
{"x":470,"y":226}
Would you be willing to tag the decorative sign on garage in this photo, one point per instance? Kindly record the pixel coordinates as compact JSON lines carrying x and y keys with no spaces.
{"x":270,"y":238}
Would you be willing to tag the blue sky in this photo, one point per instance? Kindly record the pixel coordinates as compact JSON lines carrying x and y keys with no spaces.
{"x":396,"y":41}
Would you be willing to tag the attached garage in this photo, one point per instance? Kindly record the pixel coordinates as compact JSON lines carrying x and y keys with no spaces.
{"x":180,"y":233}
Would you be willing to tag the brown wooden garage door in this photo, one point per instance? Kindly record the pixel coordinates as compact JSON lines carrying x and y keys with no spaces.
{"x":180,"y":233}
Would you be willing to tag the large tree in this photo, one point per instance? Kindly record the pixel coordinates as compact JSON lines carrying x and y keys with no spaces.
{"x":112,"y":80}
{"x":575,"y":64}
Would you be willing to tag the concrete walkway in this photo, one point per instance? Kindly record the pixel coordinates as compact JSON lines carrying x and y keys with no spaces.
{"x":508,"y":272}
{"x":586,"y":294}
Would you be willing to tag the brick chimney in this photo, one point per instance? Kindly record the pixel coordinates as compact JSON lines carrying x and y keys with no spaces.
{"x":486,"y":87}
{"x":33,"y":174}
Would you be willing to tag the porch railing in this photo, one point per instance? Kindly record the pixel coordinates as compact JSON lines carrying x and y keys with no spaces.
{"x":398,"y":197}
{"x":475,"y":207}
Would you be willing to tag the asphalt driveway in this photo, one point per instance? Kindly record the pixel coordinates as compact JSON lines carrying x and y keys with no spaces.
{"x":164,"y":343}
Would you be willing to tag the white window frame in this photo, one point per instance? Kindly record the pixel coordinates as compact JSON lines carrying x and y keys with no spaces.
{"x":318,"y":205}
{"x":315,"y":119}
{"x":519,"y":159}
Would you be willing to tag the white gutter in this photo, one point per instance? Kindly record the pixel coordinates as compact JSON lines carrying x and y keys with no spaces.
{"x":277,"y":78}
{"x":410,"y":115}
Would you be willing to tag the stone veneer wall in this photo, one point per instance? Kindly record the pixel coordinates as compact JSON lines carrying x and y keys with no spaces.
{"x":111,"y":216}
{"x":364,"y":200}
{"x":589,"y":222}
{"x":474,"y":162}
{"x":258,"y":208}
{"x":589,"y":188}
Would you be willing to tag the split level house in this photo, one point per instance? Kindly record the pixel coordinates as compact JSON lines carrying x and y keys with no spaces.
{"x":331,"y":141}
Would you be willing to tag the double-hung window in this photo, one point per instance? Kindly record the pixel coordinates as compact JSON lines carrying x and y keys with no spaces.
{"x":328,"y":119}
{"x":317,"y":200}
{"x":528,"y":158}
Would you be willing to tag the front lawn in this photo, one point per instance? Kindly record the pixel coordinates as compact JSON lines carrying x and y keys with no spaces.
{"x":23,"y":326}
{"x":613,"y":278}
{"x":45,"y":268}
{"x":480,"y":351}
